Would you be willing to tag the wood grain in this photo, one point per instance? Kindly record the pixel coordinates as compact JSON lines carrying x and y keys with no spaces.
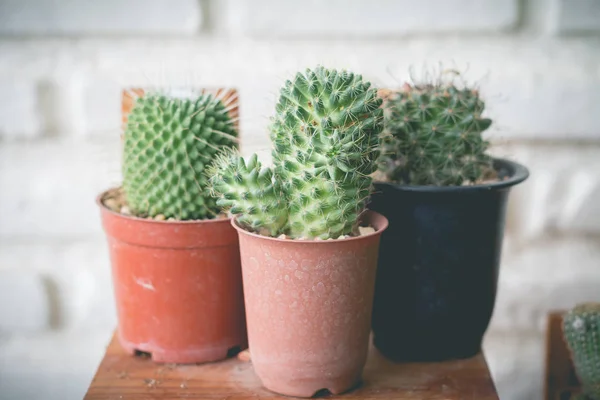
{"x":561,"y":380}
{"x":124,"y":377}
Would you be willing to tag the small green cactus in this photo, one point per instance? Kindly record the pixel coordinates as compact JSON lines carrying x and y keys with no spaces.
{"x":168,"y":142}
{"x":248,"y":189}
{"x":325,"y":137}
{"x":581,"y":329}
{"x":434,"y":136}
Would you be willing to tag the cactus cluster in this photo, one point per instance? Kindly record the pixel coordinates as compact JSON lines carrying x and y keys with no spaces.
{"x":168,"y":143}
{"x":433,"y":136}
{"x":581,"y":330}
{"x":325,"y":136}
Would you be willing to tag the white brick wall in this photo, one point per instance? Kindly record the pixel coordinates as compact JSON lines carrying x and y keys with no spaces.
{"x":356,"y":18}
{"x":63,"y":64}
{"x":20,"y":114}
{"x":575,"y":16}
{"x":112,"y":17}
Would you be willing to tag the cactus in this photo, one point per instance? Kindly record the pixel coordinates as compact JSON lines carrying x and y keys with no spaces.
{"x":581,"y":329}
{"x":325,"y":146}
{"x":248,"y":189}
{"x":434,"y":136}
{"x":167,"y":144}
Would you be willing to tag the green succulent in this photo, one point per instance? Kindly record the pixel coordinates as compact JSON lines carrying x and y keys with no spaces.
{"x":168,"y":143}
{"x":581,"y":330}
{"x":325,"y":137}
{"x":249,"y":190}
{"x":434,"y":136}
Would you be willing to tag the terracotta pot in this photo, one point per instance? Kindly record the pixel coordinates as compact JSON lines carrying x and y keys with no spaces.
{"x":178,"y":287}
{"x":308,"y":308}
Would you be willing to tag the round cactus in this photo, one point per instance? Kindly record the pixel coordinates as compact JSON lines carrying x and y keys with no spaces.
{"x":167,"y":144}
{"x":435,"y":136}
{"x":325,"y":138}
{"x":581,"y":329}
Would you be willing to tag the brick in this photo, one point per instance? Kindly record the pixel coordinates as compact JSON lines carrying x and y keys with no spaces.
{"x":61,"y":103}
{"x":77,"y":279}
{"x":533,"y":90}
{"x":24,"y":301}
{"x":53,"y":366}
{"x":19,"y":117}
{"x":552,"y":273}
{"x":112,"y":17}
{"x":101,"y":106}
{"x":538,"y":105}
{"x":561,"y":196}
{"x":575,"y":16}
{"x":53,"y":185}
{"x":516,"y":364}
{"x":376,"y":18}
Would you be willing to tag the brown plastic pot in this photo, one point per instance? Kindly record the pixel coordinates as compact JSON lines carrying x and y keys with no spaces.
{"x":308,"y":308}
{"x":178,"y":287}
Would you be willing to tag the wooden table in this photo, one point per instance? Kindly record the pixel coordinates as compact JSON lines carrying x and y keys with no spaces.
{"x":561,"y":381}
{"x":124,"y":377}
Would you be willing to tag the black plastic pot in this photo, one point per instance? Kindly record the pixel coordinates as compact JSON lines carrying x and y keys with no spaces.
{"x":438,"y":266}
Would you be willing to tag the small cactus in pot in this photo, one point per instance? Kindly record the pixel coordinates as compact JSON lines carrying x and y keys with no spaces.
{"x":581,"y":330}
{"x":445,"y":198}
{"x":170,"y":252}
{"x":325,"y":137}
{"x":308,"y":266}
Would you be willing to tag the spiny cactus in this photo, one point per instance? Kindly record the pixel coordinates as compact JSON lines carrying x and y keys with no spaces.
{"x":325,"y":145}
{"x":434,"y":136}
{"x":581,"y":329}
{"x":248,"y":189}
{"x":168,"y":142}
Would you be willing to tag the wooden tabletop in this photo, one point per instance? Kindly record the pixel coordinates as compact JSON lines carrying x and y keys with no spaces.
{"x":124,"y":377}
{"x":561,"y":380}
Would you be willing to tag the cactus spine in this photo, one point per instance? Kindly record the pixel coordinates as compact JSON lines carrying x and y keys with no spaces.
{"x":167,"y":144}
{"x":434,"y":136}
{"x":581,"y":329}
{"x":325,"y":145}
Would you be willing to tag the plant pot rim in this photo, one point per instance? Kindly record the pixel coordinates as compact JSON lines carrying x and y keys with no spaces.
{"x":100,"y":203}
{"x":518,"y":173}
{"x":367,"y":214}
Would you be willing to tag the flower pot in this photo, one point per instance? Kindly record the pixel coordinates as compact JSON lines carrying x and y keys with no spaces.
{"x":178,"y":287}
{"x":438,"y":266}
{"x":308,"y":308}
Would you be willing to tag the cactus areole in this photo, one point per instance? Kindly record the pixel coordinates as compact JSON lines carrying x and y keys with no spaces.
{"x":445,"y":200}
